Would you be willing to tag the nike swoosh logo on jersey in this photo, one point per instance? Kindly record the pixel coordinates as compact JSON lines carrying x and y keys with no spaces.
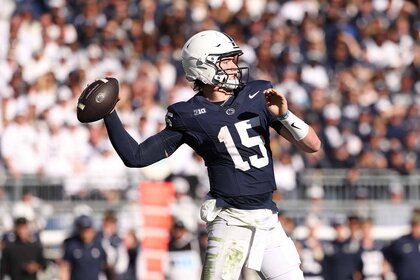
{"x":253,"y":95}
{"x":293,"y":125}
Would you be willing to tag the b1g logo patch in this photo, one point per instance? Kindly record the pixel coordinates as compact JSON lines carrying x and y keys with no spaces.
{"x":199,"y":111}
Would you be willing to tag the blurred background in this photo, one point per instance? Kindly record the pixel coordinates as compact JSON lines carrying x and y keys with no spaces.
{"x":349,"y":68}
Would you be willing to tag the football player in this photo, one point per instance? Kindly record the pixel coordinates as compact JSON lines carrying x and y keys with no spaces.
{"x":227,"y":123}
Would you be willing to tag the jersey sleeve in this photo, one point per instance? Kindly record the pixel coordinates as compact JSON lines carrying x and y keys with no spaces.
{"x":133,"y":154}
{"x":389,"y":252}
{"x":173,"y":119}
{"x":67,"y":251}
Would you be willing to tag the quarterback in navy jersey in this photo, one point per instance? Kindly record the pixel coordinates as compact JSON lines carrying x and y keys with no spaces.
{"x":233,"y":140}
{"x":227,"y":123}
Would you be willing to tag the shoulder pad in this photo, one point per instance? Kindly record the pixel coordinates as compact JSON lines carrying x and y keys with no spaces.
{"x":173,"y":118}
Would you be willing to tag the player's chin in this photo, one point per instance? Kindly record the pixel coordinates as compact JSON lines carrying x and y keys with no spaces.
{"x":225,"y":88}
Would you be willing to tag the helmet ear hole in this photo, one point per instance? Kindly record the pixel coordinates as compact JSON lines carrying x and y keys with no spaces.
{"x":213,"y":59}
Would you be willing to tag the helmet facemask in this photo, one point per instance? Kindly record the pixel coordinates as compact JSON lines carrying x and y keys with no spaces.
{"x":223,"y":76}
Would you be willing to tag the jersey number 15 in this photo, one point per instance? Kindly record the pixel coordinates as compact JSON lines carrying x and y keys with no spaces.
{"x":246,"y":140}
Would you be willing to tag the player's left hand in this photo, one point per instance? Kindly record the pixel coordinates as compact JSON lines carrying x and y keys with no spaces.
{"x":276,"y":101}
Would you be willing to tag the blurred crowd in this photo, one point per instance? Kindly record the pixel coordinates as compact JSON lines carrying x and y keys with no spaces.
{"x":349,"y":68}
{"x":98,"y":249}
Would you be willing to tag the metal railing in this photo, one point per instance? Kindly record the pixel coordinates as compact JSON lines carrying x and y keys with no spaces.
{"x":343,"y":184}
{"x":340,"y":189}
{"x":343,"y":192}
{"x":337,"y":184}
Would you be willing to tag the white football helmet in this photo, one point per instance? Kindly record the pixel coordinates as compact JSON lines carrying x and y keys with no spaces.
{"x":201,"y":53}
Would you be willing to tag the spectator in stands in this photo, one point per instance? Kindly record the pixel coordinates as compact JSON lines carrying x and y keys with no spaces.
{"x":286,"y":221}
{"x":315,"y":194}
{"x":342,"y":255}
{"x":395,"y":211}
{"x":285,"y":174}
{"x":184,"y":207}
{"x":105,"y":172}
{"x":34,"y":209}
{"x":83,"y":257}
{"x":404,"y":253}
{"x":355,"y":228}
{"x":311,"y":251}
{"x":56,"y":147}
{"x":109,"y":231}
{"x":19,"y":146}
{"x":22,"y":254}
{"x":372,"y":260}
{"x":183,"y":254}
{"x":128,"y":262}
{"x":109,"y":237}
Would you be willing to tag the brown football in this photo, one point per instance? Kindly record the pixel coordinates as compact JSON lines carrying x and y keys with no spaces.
{"x":97,"y":100}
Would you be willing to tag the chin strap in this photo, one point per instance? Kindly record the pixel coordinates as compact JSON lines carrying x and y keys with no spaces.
{"x":231,"y":84}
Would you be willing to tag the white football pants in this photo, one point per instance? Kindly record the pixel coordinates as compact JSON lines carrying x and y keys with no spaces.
{"x":229,"y":249}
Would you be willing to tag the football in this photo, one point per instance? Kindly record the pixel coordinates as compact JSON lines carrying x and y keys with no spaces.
{"x":97,"y":100}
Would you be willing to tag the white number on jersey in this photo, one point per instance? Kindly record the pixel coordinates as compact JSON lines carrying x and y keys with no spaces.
{"x":246,"y":140}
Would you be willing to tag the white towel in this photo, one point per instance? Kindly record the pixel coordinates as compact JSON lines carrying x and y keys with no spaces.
{"x":209,"y":211}
{"x":256,"y":251}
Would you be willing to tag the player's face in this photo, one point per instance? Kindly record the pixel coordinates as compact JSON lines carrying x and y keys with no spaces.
{"x":229,"y":64}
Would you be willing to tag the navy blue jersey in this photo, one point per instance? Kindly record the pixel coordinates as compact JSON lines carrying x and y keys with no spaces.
{"x":404,"y":256}
{"x":232,"y":138}
{"x":86,"y":260}
{"x":341,"y":259}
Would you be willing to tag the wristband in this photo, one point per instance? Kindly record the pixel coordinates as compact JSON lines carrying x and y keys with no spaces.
{"x":297,"y":127}
{"x":284,"y":116}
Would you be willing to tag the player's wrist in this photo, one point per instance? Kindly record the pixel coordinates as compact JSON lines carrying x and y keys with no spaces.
{"x":283,"y":116}
{"x":297,"y":127}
